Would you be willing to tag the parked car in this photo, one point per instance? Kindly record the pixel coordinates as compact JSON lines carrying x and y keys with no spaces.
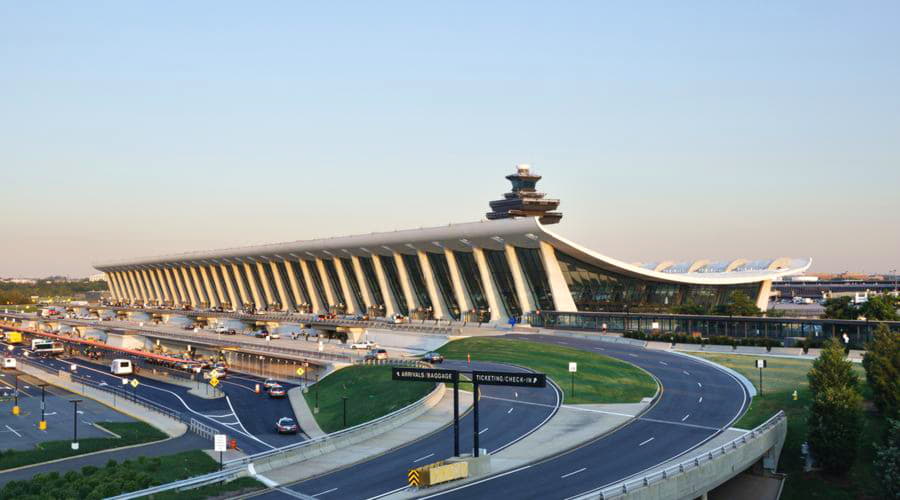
{"x":433,"y":358}
{"x":277,"y":391}
{"x":365,"y":344}
{"x":286,"y":425}
{"x":376,"y":355}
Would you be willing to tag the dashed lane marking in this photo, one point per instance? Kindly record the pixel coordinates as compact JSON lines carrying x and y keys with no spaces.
{"x":482,"y":431}
{"x":509,"y":411}
{"x":647,"y":441}
{"x":13,"y":431}
{"x":573,"y":473}
{"x":685,"y":417}
{"x":423,"y":458}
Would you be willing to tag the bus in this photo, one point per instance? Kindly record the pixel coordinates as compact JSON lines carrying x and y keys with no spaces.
{"x":47,"y":347}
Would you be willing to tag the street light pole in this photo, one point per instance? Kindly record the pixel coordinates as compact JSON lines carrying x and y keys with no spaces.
{"x":344,"y":398}
{"x":75,"y":423}
{"x":43,"y":423}
{"x":15,"y":409}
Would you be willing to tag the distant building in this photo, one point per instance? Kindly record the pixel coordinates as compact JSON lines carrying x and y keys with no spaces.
{"x":19,"y":281}
{"x":97,"y":277}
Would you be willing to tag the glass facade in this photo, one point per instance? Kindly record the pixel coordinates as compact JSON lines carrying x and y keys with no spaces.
{"x":347,"y":264}
{"x":468,"y":270}
{"x":301,"y":282}
{"x":441,"y":272}
{"x":286,"y":282}
{"x":596,"y":289}
{"x":503,"y":279}
{"x":368,"y":269}
{"x":393,"y":279}
{"x":533,"y":269}
{"x":317,"y":282}
{"x":337,"y":291}
{"x":414,"y":271}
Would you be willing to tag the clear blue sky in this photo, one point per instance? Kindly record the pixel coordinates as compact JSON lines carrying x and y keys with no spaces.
{"x":675,"y":130}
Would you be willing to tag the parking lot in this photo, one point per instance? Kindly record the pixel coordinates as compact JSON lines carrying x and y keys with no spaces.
{"x":22,"y":433}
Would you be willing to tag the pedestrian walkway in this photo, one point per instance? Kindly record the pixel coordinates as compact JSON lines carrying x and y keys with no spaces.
{"x":305,"y":418}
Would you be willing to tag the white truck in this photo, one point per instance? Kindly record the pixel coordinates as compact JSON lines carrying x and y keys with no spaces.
{"x":121,"y":367}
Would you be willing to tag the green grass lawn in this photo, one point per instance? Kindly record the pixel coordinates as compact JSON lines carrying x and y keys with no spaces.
{"x":370,"y":394}
{"x":780,"y":378}
{"x":131,"y":433}
{"x":131,"y":475}
{"x":600,"y":379}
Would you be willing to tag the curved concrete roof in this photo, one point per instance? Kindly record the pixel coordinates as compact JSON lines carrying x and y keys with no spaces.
{"x":525,"y":232}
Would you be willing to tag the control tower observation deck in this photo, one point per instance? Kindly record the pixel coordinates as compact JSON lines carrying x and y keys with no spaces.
{"x":525,"y":200}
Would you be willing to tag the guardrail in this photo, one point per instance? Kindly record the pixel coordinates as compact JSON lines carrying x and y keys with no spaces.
{"x":186,"y":484}
{"x":631,"y":486}
{"x":318,"y":446}
{"x":201,"y":429}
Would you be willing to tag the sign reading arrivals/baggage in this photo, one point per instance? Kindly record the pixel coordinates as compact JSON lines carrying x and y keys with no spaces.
{"x":424,"y":375}
{"x":514,"y":379}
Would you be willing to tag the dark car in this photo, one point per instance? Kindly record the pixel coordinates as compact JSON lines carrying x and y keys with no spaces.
{"x":433,"y":357}
{"x":286,"y":425}
{"x":277,"y":391}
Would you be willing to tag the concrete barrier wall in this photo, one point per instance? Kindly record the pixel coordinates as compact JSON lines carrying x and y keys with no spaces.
{"x":693,"y":478}
{"x":347,"y":437}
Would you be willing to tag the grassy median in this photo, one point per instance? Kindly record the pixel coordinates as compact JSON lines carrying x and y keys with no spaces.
{"x":600,"y":379}
{"x":781,"y":377}
{"x":370,"y":394}
{"x":131,"y":475}
{"x":131,"y":433}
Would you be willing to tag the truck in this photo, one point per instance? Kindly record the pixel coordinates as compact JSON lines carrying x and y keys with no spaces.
{"x":13,"y":337}
{"x":121,"y":367}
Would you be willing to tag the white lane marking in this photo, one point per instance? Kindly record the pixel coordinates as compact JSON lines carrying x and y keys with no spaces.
{"x":633,"y":355}
{"x":482,"y":431}
{"x":13,"y":431}
{"x":685,"y":417}
{"x":236,"y":417}
{"x":517,"y":394}
{"x":664,"y":363}
{"x":325,"y":492}
{"x":645,"y":442}
{"x":699,"y":385}
{"x":470,"y":484}
{"x":700,"y":400}
{"x":292,"y":493}
{"x":509,"y":411}
{"x":423,"y":458}
{"x":686,"y":372}
{"x":600,"y":348}
{"x":561,"y":342}
{"x":573,"y":473}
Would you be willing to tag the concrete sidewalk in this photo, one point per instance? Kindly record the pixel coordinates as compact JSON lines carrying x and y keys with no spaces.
{"x":305,"y":418}
{"x":432,"y":420}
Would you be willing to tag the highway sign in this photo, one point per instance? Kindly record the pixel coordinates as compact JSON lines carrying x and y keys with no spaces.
{"x":214,"y":381}
{"x":520,"y":379}
{"x":300,"y":372}
{"x":424,"y":375}
{"x":219,"y":442}
{"x":135,"y":383}
{"x":413,"y":477}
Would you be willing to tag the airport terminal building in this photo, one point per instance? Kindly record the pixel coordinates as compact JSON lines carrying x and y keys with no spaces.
{"x":505,"y":266}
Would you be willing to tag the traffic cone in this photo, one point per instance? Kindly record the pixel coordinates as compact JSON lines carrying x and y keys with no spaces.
{"x":257,"y":388}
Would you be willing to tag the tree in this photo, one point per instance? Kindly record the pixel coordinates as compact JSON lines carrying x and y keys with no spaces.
{"x":840,"y":308}
{"x":831,"y":369}
{"x":835,"y":425}
{"x":882,"y":364}
{"x":887,"y":461}
{"x":880,"y":308}
{"x":739,"y":304}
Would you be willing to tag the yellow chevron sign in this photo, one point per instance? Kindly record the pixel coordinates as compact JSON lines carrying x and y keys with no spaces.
{"x":413,"y":477}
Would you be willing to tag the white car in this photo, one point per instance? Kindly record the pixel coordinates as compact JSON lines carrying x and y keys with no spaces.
{"x":366,"y":345}
{"x":221,"y":329}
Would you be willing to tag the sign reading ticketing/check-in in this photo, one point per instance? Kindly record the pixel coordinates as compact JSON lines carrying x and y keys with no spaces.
{"x":513,"y":379}
{"x":424,"y":375}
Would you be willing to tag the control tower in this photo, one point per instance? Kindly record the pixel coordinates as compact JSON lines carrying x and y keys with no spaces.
{"x":525,"y":200}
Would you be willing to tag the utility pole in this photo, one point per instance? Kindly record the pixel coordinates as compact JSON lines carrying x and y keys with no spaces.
{"x":344,"y":398}
{"x":42,"y":425}
{"x":75,"y":423}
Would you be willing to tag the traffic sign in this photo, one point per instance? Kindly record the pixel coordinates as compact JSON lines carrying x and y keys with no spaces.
{"x":424,"y":375}
{"x":413,"y":477}
{"x":520,"y":379}
{"x":760,"y":363}
{"x":219,"y":442}
{"x":124,"y":380}
{"x":300,"y":371}
{"x":214,"y":381}
{"x":135,"y":383}
{"x":573,"y":367}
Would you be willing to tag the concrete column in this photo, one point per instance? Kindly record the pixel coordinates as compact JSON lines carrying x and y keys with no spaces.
{"x":279,"y":284}
{"x":118,"y":293}
{"x":243,"y":287}
{"x":207,"y":285}
{"x":266,"y":286}
{"x":437,"y":301}
{"x":221,"y":293}
{"x":515,"y":268}
{"x":156,"y":288}
{"x":117,"y":279}
{"x":151,"y":288}
{"x":142,"y":286}
{"x":330,"y":295}
{"x":459,"y":288}
{"x":363,"y":284}
{"x":113,"y":292}
{"x":161,"y":280}
{"x":762,"y":300}
{"x":348,"y":293}
{"x":188,"y":286}
{"x":562,"y":298}
{"x":390,"y":307}
{"x":295,"y":284}
{"x":125,"y":284}
{"x":405,"y":283}
{"x":317,"y":307}
{"x":254,"y":287}
{"x":173,"y":277}
{"x":233,"y":296}
{"x":199,"y":289}
{"x":136,"y":290}
{"x":490,"y":292}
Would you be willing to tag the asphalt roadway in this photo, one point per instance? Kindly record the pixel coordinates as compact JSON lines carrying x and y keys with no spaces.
{"x":242,"y":415}
{"x":698,"y":401}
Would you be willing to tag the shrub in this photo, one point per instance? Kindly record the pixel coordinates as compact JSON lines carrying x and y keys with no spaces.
{"x":835,"y":422}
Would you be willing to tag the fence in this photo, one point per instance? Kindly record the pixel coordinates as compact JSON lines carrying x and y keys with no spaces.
{"x":673,"y":472}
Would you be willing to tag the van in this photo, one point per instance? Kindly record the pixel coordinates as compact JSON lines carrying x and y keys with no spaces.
{"x":121,"y":367}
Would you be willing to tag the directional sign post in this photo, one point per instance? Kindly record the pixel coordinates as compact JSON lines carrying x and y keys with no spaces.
{"x":573,"y":367}
{"x":760,"y":363}
{"x":433,"y":375}
{"x":134,"y":386}
{"x":219,"y":444}
{"x":520,"y":379}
